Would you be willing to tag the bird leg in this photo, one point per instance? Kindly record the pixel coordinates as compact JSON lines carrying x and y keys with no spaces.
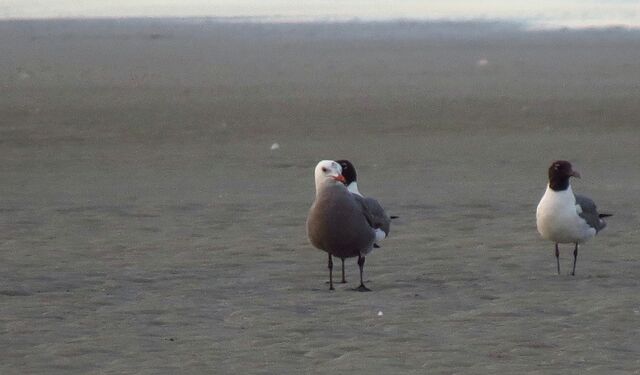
{"x":330,"y":273}
{"x":343,"y":279}
{"x":361,"y":288}
{"x":575,"y":258}
{"x":558,"y":258}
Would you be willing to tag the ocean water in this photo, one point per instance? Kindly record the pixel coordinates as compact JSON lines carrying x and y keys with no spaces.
{"x":540,"y":14}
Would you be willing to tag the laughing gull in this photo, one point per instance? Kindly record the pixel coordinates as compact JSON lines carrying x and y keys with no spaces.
{"x":382,"y":221}
{"x":339,"y":222}
{"x":563,"y":217}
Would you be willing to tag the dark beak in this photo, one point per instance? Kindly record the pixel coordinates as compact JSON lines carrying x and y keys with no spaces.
{"x":575,"y":174}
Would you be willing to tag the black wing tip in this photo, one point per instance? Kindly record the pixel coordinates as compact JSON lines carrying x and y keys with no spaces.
{"x":394,"y":217}
{"x":604,"y":215}
{"x":376,"y":246}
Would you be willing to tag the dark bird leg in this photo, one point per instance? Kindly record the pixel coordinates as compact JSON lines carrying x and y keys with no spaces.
{"x":343,"y":279}
{"x":558,"y":258}
{"x":330,"y":273}
{"x":575,"y":258}
{"x":361,"y":288}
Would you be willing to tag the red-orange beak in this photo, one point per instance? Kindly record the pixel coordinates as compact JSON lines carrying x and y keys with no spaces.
{"x":340,"y":178}
{"x":575,"y":174}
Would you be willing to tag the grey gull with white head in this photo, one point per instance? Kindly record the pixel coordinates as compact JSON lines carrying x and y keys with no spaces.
{"x":339,"y":222}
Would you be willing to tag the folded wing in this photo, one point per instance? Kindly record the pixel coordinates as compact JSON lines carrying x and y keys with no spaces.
{"x":589,"y":212}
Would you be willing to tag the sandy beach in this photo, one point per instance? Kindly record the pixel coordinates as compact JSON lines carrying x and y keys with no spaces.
{"x":147,"y":226}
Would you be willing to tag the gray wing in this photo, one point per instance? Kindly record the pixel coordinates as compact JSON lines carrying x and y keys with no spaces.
{"x":590,"y":213}
{"x":365,"y":210}
{"x":380,"y":218}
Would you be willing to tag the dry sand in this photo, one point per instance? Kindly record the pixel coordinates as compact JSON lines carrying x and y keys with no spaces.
{"x":147,"y":227}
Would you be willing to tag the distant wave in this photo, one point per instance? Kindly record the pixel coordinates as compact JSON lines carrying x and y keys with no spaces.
{"x":544,"y":14}
{"x":531,"y":23}
{"x":525,"y":23}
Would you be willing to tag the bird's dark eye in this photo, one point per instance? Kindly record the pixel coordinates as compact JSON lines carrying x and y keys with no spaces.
{"x":324,"y":169}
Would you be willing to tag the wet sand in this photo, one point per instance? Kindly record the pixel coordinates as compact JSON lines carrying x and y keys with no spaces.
{"x":147,"y":227}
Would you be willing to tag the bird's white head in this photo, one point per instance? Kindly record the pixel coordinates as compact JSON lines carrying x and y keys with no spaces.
{"x":328,"y":170}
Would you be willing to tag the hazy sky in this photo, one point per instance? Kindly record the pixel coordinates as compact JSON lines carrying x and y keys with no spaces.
{"x":559,"y":12}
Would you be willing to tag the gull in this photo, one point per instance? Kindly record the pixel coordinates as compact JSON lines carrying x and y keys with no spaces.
{"x":563,"y":217}
{"x":339,"y":222}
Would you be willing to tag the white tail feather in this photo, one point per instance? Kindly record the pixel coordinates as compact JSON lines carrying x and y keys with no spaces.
{"x":380,"y":235}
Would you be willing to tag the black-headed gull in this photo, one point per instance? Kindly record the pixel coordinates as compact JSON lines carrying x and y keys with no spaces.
{"x":563,"y":217}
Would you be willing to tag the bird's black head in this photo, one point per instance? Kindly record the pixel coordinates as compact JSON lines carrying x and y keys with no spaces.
{"x":348,"y":171}
{"x":559,"y":173}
